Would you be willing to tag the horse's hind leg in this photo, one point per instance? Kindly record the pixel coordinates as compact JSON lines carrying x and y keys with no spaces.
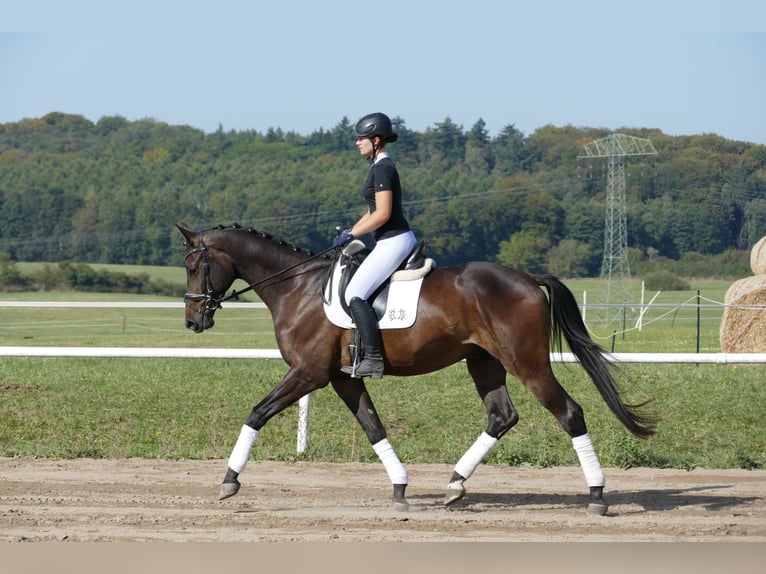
{"x":552,"y":396}
{"x":489,"y":376}
{"x":354,"y":394}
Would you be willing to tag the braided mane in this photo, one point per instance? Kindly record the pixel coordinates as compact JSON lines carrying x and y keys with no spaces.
{"x":269,"y":237}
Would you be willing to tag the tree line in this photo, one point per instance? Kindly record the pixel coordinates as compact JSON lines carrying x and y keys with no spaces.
{"x":111,"y":191}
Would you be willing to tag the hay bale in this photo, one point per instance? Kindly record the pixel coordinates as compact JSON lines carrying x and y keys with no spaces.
{"x":743,"y":329}
{"x":743,"y":287}
{"x":758,"y":257}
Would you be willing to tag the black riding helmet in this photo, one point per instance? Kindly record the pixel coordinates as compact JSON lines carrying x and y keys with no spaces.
{"x":376,"y":124}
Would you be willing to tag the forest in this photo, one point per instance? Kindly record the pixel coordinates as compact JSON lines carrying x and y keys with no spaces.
{"x":111,"y":191}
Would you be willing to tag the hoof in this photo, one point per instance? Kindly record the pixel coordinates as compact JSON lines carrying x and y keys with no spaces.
{"x":598,"y":508}
{"x":455,"y":492}
{"x":400,"y":506}
{"x":400,"y":503}
{"x":228,"y":489}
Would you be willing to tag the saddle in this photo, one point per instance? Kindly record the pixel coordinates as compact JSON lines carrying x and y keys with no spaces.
{"x":413,"y":269}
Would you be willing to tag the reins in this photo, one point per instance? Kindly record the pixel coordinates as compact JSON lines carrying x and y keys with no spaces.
{"x":235,"y":294}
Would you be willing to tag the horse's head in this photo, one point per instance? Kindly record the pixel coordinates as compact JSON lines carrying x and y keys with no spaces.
{"x":208,"y":276}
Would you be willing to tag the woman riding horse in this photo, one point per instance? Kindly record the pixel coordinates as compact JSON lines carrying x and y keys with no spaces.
{"x":394,"y":240}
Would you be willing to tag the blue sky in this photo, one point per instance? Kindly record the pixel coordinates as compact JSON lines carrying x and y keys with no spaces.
{"x":684,"y":67}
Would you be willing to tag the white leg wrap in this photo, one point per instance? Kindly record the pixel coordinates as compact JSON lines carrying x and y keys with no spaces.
{"x":591,"y":467}
{"x":241,"y":453}
{"x":394,"y":467}
{"x":474,"y":455}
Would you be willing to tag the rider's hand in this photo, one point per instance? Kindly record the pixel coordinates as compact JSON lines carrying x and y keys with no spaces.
{"x":344,"y":237}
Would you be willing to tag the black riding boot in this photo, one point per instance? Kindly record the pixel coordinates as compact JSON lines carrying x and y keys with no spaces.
{"x":367,"y":325}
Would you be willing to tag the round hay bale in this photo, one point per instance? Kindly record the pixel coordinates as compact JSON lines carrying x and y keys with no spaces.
{"x":743,"y":325}
{"x":758,"y":257}
{"x":742,"y":287}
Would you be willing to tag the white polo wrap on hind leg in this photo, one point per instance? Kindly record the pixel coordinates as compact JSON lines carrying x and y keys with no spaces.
{"x":591,"y":467}
{"x":394,"y":467}
{"x":241,"y":453}
{"x":468,"y":463}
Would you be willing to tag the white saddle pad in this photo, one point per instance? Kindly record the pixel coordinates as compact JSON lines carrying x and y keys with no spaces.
{"x":401,"y":308}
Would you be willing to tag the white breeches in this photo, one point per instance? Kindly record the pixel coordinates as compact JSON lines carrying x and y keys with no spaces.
{"x":382,"y":261}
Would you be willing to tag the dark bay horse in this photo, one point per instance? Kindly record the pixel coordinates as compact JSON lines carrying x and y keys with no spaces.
{"x":499,"y":320}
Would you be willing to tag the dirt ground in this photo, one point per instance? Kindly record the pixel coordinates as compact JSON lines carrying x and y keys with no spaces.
{"x":172,"y":501}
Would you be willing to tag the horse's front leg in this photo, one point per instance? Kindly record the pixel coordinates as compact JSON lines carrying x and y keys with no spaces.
{"x":489,"y":377}
{"x":354,"y":394}
{"x":292,"y":387}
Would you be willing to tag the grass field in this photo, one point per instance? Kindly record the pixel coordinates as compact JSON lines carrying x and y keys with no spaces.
{"x":188,"y":408}
{"x":175,"y":275}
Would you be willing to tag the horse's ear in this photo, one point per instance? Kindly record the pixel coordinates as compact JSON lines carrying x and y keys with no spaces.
{"x":185,"y":231}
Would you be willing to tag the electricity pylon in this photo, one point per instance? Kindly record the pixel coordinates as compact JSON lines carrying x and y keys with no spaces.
{"x":615,"y":270}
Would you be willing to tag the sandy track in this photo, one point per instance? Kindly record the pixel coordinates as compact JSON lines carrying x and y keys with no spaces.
{"x":153,"y":500}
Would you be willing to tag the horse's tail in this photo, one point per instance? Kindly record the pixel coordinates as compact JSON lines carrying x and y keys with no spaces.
{"x":566,"y":320}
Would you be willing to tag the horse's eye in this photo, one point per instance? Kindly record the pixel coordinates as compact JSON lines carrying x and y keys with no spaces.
{"x":191,"y":270}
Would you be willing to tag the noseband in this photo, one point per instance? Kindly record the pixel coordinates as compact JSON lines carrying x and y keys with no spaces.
{"x":209,"y":303}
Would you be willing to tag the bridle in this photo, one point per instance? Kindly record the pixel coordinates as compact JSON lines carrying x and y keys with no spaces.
{"x":209,"y":302}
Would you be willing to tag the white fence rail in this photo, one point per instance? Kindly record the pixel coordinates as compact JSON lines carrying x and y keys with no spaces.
{"x":141,"y":352}
{"x":232,"y":353}
{"x":119,"y":304}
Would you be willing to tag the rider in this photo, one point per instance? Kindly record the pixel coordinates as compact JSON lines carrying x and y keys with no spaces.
{"x":394,"y":240}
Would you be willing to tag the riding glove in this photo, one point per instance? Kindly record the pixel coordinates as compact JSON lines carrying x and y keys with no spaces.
{"x":344,"y":237}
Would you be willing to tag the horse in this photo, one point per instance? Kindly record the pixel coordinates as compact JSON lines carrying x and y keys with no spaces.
{"x":497,"y":319}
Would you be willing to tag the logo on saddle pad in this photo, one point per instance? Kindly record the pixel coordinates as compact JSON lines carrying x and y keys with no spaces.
{"x":395,"y":302}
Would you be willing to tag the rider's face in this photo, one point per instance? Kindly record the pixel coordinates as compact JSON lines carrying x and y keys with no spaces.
{"x":364,"y":145}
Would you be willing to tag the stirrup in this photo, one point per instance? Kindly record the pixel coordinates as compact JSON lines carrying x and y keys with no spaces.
{"x":367,"y":368}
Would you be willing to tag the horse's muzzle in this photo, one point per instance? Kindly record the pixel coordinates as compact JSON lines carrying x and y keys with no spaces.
{"x":205,"y":322}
